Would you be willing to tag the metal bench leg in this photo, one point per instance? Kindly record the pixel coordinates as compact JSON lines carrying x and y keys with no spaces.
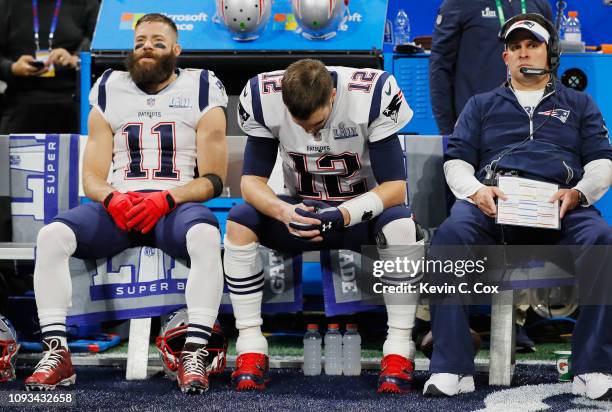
{"x":138,"y":349}
{"x":501,"y":362}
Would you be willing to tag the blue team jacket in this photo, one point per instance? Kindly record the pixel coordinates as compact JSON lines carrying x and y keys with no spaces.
{"x":466,"y":53}
{"x":563,"y":133}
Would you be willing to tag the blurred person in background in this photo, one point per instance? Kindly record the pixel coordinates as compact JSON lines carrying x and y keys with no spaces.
{"x":465,"y":52}
{"x":40,"y":42}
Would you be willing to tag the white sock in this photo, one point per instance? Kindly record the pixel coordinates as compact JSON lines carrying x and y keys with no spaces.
{"x":400,"y":320}
{"x":245,"y":280}
{"x":55,"y":244}
{"x":400,"y":236}
{"x":205,"y":282}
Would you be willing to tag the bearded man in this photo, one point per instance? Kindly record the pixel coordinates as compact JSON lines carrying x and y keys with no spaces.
{"x":163,"y":131}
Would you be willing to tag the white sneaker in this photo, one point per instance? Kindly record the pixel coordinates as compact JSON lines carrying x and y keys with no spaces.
{"x":597,"y":386}
{"x":448,"y":384}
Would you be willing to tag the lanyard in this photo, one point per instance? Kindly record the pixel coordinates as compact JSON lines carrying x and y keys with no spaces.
{"x":58,"y":3}
{"x":500,"y":11}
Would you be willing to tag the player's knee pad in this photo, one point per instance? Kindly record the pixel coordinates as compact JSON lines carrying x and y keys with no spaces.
{"x":203,"y":238}
{"x":400,"y":232}
{"x":241,"y":261}
{"x":245,"y":215}
{"x":401,"y":238}
{"x":56,"y":239}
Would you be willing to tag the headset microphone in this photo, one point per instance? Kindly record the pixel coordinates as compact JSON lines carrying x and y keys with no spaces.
{"x":528,"y":71}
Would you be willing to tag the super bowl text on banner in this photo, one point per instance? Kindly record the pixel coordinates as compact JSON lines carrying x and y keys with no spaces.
{"x":139,"y":282}
{"x":44,"y":180}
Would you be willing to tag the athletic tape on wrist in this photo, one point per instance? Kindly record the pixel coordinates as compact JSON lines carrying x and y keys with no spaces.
{"x":364,"y":207}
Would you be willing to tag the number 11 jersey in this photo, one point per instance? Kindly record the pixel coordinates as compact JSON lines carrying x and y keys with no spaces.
{"x":154,"y":135}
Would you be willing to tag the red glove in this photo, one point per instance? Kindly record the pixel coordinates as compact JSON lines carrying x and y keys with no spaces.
{"x":145,"y":215}
{"x":117,"y":204}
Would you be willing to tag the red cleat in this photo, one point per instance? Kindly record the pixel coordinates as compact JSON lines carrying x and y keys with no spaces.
{"x":251,"y":372}
{"x":395,"y":374}
{"x":55,"y":368}
{"x":192,"y":376}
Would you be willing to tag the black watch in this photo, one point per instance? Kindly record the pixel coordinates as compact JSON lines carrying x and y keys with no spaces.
{"x":583,"y":200}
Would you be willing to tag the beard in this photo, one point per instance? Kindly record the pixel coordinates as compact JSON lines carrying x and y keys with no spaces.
{"x":148,"y":76}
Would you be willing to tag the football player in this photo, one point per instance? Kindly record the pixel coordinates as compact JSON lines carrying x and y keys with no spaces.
{"x":163,"y":131}
{"x":335,"y":128}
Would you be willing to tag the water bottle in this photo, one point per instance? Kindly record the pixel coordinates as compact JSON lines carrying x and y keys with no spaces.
{"x":572,"y":28}
{"x":351,"y":351}
{"x":401,"y":27}
{"x":333,"y":350}
{"x":388,"y":33}
{"x":312,"y":350}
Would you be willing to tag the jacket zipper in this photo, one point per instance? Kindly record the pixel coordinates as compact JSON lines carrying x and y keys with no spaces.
{"x":530,"y":115}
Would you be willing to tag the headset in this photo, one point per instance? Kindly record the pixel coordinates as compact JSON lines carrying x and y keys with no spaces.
{"x":553,"y":46}
{"x":554,"y":54}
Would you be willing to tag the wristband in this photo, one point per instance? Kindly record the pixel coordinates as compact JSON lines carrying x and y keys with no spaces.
{"x":363,"y":207}
{"x":216,"y":182}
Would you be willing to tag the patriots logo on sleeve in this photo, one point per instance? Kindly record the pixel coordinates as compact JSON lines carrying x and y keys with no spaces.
{"x":560,"y":114}
{"x":244,"y":115}
{"x":392,"y":110}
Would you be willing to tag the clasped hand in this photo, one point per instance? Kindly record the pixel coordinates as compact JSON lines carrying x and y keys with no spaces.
{"x":312,"y":220}
{"x":139,"y":211}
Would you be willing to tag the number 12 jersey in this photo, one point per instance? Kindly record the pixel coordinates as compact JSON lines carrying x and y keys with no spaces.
{"x":334,"y":165}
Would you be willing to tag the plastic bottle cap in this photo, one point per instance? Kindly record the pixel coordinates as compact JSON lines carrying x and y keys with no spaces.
{"x":333,"y":326}
{"x":572,"y":13}
{"x":351,"y":326}
{"x":312,"y":326}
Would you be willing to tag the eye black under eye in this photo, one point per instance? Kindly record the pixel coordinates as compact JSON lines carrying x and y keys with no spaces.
{"x":159,"y":46}
{"x":138,"y":46}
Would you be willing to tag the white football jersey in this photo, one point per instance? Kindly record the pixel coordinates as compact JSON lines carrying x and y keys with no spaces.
{"x":154,"y":135}
{"x":334,"y":165}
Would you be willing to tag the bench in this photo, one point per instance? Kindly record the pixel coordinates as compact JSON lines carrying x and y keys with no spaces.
{"x":426,"y":187}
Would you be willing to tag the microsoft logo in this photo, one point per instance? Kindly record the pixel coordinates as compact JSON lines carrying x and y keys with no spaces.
{"x":128,"y":20}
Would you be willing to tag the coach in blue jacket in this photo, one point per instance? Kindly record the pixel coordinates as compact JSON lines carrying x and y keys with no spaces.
{"x":536,"y":128}
{"x":465,"y":52}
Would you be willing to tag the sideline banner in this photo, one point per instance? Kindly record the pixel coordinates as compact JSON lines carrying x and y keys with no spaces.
{"x":44,"y":180}
{"x":142,"y":282}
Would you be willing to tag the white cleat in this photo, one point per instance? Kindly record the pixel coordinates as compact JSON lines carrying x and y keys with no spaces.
{"x":596,"y":386}
{"x":448,"y":384}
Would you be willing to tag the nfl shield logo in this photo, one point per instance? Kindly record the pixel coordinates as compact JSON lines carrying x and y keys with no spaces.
{"x":151,"y":101}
